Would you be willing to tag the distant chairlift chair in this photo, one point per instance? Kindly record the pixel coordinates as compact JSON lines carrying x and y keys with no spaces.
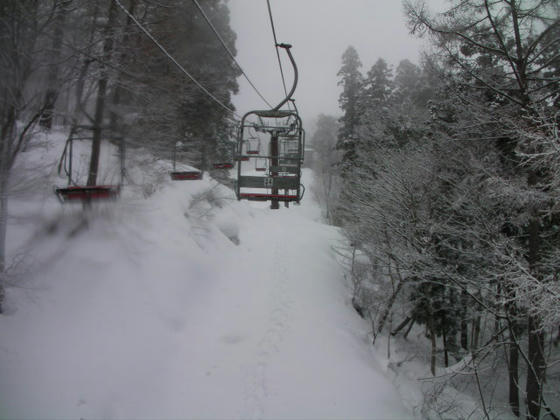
{"x":260,"y":165}
{"x":192,"y":175}
{"x":253,"y":146}
{"x":223,"y":165}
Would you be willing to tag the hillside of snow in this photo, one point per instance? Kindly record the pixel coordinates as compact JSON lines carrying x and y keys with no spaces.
{"x":177,"y":301}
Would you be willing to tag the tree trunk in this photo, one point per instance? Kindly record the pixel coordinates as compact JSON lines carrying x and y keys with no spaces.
{"x":445,"y":349}
{"x":475,"y":332}
{"x":515,"y":330}
{"x":52,"y":78}
{"x":464,"y":324}
{"x":536,"y":369}
{"x":513,"y":373}
{"x":6,"y":137}
{"x":100,"y":102}
{"x":328,"y":189}
{"x":401,"y":326}
{"x":115,"y":102}
{"x":3,"y":229}
{"x":388,"y":308}
{"x":204,"y":155}
{"x":389,"y":337}
{"x":434,"y":344}
{"x":97,"y":132}
{"x":408,"y":329}
{"x":117,"y":94}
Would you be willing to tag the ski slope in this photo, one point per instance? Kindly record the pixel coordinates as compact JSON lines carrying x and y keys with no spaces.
{"x":187,"y":304}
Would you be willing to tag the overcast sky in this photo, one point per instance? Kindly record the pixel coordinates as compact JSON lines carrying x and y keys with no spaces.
{"x":320,"y":31}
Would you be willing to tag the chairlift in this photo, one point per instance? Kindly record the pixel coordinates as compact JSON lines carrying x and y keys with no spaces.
{"x":188,"y":175}
{"x":291,"y":149}
{"x":260,"y":165}
{"x":74,"y":192}
{"x":223,"y":165}
{"x":226,"y":161}
{"x":286,"y":198}
{"x":253,"y":146}
{"x":87,"y":192}
{"x":283,"y":161}
{"x":282,"y":182}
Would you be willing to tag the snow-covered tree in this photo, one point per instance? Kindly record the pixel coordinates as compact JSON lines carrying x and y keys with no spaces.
{"x":173,"y":108}
{"x":22,"y":23}
{"x":351,"y":81}
{"x":326,"y":165}
{"x":499,"y":48}
{"x":377,"y":86}
{"x":86,"y":64}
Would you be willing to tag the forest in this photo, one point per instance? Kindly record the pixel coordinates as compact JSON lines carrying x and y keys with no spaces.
{"x":87,"y":66}
{"x":443,"y":176}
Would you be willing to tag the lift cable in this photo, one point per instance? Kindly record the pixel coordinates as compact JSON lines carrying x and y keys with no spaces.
{"x":276,"y":46}
{"x":162,"y":48}
{"x":228,"y":51}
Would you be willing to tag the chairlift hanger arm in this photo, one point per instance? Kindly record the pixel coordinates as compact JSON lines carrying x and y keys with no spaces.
{"x":287,"y":47}
{"x":293,"y":101}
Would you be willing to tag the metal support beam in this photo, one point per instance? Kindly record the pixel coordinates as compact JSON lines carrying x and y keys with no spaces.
{"x":274,"y":203}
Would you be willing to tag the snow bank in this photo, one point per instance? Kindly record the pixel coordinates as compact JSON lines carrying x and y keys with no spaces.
{"x":181,"y":302}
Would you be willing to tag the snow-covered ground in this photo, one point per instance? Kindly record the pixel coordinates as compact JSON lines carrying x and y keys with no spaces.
{"x":184,"y":304}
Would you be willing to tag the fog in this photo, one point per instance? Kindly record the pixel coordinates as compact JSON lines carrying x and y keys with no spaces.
{"x":320,"y":31}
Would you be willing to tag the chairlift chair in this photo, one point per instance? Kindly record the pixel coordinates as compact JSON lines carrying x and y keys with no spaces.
{"x":227,"y":161}
{"x":286,"y":198}
{"x":260,"y":165}
{"x":291,"y":150}
{"x":86,"y":193}
{"x":253,"y":146}
{"x":282,"y":183}
{"x":282,"y":180}
{"x":223,"y":165}
{"x":187,"y":175}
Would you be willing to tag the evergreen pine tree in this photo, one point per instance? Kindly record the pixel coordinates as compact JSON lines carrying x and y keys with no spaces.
{"x":351,"y":81}
{"x":378,"y":86}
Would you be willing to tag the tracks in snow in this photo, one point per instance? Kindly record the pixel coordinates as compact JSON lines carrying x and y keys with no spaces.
{"x":278,"y":323}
